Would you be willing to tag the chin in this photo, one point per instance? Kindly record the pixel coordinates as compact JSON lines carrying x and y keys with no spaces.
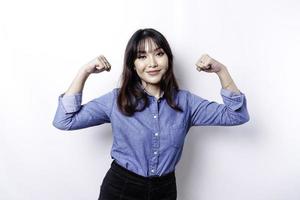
{"x":154,"y":82}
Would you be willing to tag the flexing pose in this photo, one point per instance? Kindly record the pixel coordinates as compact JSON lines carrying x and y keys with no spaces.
{"x":150,"y":116}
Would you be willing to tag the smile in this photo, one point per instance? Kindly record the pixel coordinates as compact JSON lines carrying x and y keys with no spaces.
{"x":153,"y":72}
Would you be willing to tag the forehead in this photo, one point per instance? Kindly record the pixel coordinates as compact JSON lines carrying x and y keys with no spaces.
{"x":147,"y":45}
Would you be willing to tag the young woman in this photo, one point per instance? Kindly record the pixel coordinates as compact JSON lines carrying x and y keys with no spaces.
{"x":150,"y":116}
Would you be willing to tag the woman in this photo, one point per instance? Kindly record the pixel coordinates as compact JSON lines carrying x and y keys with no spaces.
{"x":150,"y":116}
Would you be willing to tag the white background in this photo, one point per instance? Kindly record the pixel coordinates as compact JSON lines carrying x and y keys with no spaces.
{"x":44,"y":43}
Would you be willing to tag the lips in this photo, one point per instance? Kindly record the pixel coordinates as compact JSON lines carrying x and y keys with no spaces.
{"x":153,"y":72}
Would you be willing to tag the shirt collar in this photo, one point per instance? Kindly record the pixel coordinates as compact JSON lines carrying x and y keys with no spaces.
{"x":161,"y":92}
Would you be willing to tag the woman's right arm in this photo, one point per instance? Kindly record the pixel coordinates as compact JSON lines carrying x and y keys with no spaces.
{"x":97,"y":65}
{"x":70,"y":114}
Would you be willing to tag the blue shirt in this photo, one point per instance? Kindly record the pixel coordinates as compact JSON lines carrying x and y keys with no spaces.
{"x":150,"y":142}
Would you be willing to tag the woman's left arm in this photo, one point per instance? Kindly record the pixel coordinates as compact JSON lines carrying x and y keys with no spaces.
{"x":210,"y":65}
{"x":232,"y":112}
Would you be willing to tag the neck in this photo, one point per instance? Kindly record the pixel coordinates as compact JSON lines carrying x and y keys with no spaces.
{"x":152,"y":89}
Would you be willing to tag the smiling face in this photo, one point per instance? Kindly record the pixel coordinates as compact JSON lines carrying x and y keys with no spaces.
{"x":151,"y":62}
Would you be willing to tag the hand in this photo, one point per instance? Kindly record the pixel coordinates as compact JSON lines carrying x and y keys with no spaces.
{"x":97,"y":65}
{"x":208,"y":64}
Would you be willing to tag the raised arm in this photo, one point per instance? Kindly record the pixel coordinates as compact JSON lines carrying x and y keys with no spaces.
{"x":70,"y":114}
{"x":232,"y":112}
{"x":97,"y":65}
{"x":210,"y":65}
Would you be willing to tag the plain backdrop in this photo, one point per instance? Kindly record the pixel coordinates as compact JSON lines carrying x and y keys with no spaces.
{"x":44,"y":43}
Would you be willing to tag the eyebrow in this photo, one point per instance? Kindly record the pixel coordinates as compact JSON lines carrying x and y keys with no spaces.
{"x":158,"y":48}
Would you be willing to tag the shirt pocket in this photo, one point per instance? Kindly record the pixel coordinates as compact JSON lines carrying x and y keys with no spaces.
{"x":177,"y":135}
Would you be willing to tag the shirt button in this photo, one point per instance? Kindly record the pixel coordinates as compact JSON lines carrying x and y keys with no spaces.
{"x":156,"y":134}
{"x":152,"y":170}
{"x":154,"y":116}
{"x":155,"y":152}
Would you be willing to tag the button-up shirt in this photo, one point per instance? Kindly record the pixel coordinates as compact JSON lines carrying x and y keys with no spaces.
{"x":150,"y":142}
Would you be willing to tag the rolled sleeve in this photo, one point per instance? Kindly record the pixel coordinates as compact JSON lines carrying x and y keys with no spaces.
{"x":232,"y":99}
{"x":232,"y":112}
{"x":71,"y":103}
{"x":71,"y":115}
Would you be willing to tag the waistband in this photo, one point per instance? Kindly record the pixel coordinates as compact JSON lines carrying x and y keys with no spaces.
{"x":138,"y":178}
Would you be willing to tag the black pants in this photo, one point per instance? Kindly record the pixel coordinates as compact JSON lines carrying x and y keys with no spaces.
{"x":120,"y":183}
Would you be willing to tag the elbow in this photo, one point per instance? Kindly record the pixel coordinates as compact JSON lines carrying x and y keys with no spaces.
{"x":235,"y":119}
{"x":61,"y":126}
{"x":239,"y":116}
{"x":243,"y":119}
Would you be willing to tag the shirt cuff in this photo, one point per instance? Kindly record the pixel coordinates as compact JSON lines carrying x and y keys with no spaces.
{"x":71,"y":103}
{"x":233,"y":99}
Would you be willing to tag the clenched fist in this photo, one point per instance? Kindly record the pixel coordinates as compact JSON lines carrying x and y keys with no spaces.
{"x":208,"y":64}
{"x":97,"y":65}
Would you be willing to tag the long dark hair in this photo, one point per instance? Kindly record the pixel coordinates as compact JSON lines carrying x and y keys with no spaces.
{"x":131,"y":93}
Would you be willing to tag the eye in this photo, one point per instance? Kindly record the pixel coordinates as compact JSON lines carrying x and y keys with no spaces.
{"x":161,"y":53}
{"x":141,"y":57}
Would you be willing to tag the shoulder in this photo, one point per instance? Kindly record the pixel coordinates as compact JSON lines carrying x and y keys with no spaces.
{"x":183,"y":96}
{"x":113,"y":92}
{"x":183,"y":93}
{"x":108,"y":96}
{"x":189,"y":97}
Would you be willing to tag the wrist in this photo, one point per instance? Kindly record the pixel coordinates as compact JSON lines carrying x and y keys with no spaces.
{"x":222,"y":71}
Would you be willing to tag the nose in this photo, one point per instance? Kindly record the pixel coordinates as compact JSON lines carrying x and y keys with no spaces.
{"x":152,"y":61}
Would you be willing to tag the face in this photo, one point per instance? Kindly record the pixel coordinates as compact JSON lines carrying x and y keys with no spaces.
{"x":151,"y":63}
